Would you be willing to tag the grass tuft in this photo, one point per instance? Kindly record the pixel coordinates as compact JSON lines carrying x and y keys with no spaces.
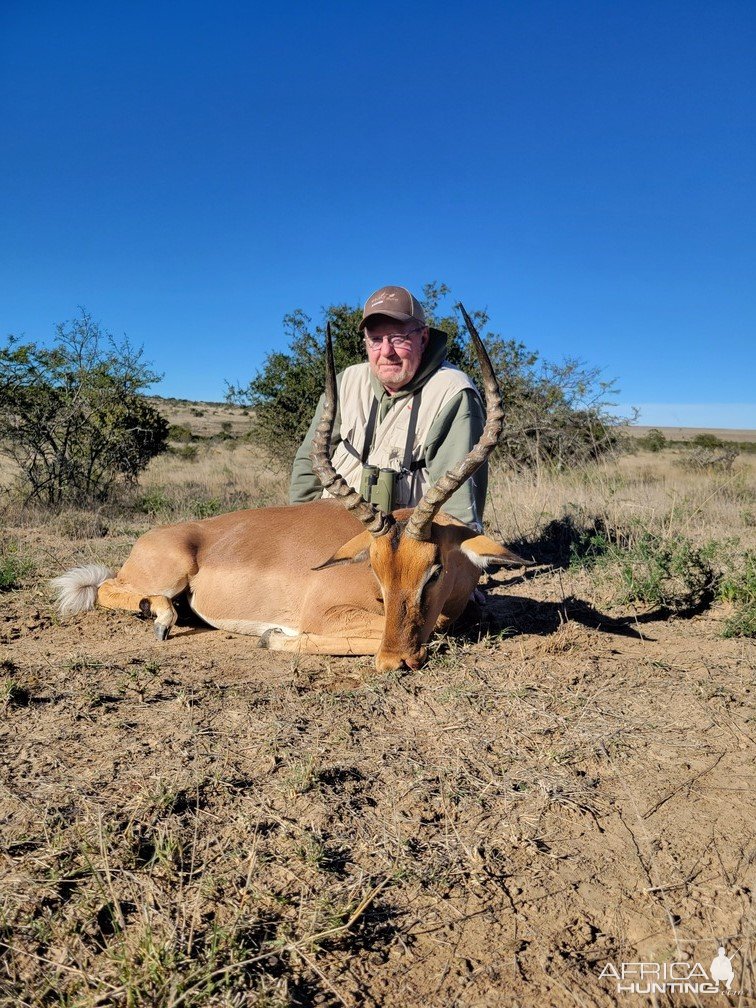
{"x":14,"y":568}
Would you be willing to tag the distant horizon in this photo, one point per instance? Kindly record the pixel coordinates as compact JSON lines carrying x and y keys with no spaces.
{"x":701,"y":415}
{"x":722,"y":416}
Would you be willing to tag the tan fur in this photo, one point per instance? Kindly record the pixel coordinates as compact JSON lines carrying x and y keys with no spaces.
{"x":312,"y":571}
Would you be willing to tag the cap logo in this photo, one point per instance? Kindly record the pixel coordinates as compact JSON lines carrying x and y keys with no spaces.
{"x":384,"y":296}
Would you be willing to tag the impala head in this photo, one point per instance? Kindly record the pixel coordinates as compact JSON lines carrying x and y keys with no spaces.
{"x":423,"y":562}
{"x":417,"y":579}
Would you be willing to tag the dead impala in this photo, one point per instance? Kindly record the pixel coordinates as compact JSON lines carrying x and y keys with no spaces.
{"x":330,"y":577}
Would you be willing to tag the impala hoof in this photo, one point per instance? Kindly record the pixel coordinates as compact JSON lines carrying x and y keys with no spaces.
{"x":161,"y":632}
{"x":264,"y":641}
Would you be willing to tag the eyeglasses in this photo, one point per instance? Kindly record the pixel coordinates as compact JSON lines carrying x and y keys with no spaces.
{"x":400,"y":341}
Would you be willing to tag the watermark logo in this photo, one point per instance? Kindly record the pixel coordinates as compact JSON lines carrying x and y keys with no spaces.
{"x":670,"y":977}
{"x":721,"y":969}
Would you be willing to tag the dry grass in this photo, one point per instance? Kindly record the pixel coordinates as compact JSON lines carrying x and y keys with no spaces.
{"x":222,"y":477}
{"x":651,"y":489}
{"x":200,"y":823}
{"x":204,"y":419}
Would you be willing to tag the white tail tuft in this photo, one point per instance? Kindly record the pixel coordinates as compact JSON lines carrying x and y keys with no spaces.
{"x":77,"y":588}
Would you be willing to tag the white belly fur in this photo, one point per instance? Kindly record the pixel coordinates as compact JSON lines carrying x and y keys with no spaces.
{"x":251,"y":628}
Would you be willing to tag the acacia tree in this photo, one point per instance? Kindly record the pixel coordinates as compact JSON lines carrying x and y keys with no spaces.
{"x":556,"y":414}
{"x":71,"y":415}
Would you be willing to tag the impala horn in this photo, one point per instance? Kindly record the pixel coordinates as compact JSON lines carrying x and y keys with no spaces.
{"x":419,"y":524}
{"x":375,"y":521}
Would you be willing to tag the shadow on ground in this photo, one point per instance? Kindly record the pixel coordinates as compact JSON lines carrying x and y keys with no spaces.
{"x":519,"y":614}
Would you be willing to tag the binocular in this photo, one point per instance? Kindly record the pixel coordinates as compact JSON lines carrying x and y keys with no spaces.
{"x":378,"y":486}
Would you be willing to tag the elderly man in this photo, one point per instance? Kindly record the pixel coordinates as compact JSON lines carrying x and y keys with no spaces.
{"x":406,"y":410}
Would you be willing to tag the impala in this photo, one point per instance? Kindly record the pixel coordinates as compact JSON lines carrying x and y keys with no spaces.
{"x":334,"y":577}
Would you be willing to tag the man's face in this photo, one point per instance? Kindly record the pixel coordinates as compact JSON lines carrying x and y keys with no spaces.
{"x":394,"y":364}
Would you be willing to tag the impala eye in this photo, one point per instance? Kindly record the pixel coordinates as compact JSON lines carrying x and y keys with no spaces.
{"x":430,"y":578}
{"x":434,"y":575}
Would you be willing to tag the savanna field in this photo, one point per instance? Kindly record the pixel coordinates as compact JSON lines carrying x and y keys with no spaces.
{"x":568,"y":782}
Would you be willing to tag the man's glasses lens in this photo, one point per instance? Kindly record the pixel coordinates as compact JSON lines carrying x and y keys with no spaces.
{"x":401,"y":340}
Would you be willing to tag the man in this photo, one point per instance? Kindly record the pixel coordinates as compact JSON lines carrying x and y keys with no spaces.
{"x":405,"y":409}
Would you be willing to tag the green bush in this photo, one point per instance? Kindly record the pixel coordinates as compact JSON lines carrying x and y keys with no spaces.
{"x":589,"y":548}
{"x":156,"y":502}
{"x":739,"y":588}
{"x":708,"y":441}
{"x":669,"y":572}
{"x":206,"y":508}
{"x":666,"y":571}
{"x":742,"y":623}
{"x":654,"y":440}
{"x":177,"y":432}
{"x":71,"y":416}
{"x":188,"y":452}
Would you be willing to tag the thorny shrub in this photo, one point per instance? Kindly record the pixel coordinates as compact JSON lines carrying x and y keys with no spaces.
{"x":667,"y":571}
{"x":72,"y":419}
{"x":739,"y":588}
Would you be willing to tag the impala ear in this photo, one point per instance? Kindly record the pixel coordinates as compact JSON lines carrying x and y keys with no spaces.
{"x":354,"y":551}
{"x":485,"y":552}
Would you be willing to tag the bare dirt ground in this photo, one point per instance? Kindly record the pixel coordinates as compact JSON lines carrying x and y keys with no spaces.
{"x":524,"y":810}
{"x":200,"y":822}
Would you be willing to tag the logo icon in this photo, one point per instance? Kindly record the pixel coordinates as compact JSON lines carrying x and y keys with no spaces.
{"x":721,"y":969}
{"x":683,"y":977}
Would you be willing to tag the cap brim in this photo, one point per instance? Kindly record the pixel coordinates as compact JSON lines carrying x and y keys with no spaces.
{"x":399,"y":316}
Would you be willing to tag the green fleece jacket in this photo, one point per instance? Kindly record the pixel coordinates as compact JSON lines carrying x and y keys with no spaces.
{"x":453,"y":433}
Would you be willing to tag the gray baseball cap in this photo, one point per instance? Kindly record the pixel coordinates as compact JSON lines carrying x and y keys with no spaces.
{"x":396,"y":302}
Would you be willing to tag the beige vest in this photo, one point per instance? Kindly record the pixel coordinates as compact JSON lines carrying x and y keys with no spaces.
{"x":390,"y":448}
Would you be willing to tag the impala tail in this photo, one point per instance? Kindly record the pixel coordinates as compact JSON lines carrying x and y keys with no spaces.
{"x":77,"y":588}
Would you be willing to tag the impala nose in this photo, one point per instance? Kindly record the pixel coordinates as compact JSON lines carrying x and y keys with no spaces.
{"x":416,"y":660}
{"x":392,"y":661}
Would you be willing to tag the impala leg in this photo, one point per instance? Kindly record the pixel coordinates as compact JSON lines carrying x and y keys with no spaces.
{"x":157,"y":570}
{"x":339,"y":630}
{"x":308,"y":643}
{"x":115,"y":594}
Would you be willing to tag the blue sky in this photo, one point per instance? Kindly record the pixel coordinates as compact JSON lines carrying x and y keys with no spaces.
{"x":584,"y":171}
